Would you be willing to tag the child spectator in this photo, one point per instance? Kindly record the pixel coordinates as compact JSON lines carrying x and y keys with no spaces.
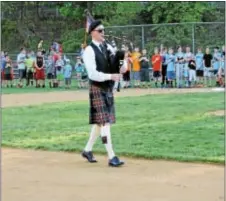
{"x":29,"y":63}
{"x":8,"y":70}
{"x":126,"y":76}
{"x":21,"y":67}
{"x":136,"y":67}
{"x":192,"y":71}
{"x":188,"y":56}
{"x":3,"y":64}
{"x":179,"y":66}
{"x":40,"y":72}
{"x":59,"y":71}
{"x":207,"y":61}
{"x":79,"y":69}
{"x":216,"y":63}
{"x":170,"y":60}
{"x":199,"y":66}
{"x":144,"y":71}
{"x":67,"y":74}
{"x":164,"y":66}
{"x":156,"y":61}
{"x":50,"y":70}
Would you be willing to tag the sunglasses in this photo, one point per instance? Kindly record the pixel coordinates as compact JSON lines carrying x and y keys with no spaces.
{"x":99,"y":30}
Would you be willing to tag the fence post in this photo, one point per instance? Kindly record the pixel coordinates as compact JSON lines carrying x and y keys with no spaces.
{"x":193,"y":38}
{"x":142,"y":37}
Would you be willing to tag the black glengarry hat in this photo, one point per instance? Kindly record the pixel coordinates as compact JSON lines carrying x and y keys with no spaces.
{"x":94,"y":24}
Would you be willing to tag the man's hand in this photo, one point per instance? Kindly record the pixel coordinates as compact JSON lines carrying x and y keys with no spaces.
{"x":116,"y":77}
{"x":123,"y":70}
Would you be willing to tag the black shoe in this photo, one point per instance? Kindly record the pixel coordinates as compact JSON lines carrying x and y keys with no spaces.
{"x":89,"y":156}
{"x":115,"y":162}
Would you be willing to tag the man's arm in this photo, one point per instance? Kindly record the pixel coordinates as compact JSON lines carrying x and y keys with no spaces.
{"x":90,"y":64}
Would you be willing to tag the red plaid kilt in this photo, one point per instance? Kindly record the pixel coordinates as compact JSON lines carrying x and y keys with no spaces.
{"x":102,"y":108}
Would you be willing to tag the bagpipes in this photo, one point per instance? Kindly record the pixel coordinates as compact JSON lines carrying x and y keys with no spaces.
{"x":117,"y":60}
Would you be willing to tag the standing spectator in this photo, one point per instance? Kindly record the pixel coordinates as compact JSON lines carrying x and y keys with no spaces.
{"x":156,"y":61}
{"x":21,"y":67}
{"x":136,"y":67}
{"x":33,"y":56}
{"x":164,"y":66}
{"x":51,"y":72}
{"x":199,"y":66}
{"x":3,"y":64}
{"x":79,"y":68}
{"x":216,"y":63}
{"x":170,"y":60}
{"x":8,"y":70}
{"x":179,"y":66}
{"x":29,"y":63}
{"x":207,"y":61}
{"x":59,"y":71}
{"x":188,"y":56}
{"x":192,"y":71}
{"x":126,"y":76}
{"x":144,"y":71}
{"x":67,"y":74}
{"x":40,"y":72}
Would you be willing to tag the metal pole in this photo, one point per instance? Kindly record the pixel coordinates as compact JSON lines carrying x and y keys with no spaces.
{"x":142,"y":31}
{"x":193,"y":38}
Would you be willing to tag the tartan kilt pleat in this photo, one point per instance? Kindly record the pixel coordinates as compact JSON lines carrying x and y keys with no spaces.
{"x":102,"y":108}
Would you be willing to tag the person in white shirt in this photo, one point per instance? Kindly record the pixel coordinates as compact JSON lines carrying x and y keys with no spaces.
{"x":21,"y":66}
{"x":102,"y":76}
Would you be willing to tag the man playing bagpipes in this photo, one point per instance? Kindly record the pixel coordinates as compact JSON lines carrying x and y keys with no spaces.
{"x":103,"y":68}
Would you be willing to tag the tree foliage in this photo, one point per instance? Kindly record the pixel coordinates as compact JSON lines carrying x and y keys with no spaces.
{"x":23,"y":23}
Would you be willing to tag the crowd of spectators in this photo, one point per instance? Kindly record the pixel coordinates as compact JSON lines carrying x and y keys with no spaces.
{"x":161,"y":67}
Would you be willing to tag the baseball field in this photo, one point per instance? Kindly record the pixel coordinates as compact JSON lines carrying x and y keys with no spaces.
{"x":171,"y":140}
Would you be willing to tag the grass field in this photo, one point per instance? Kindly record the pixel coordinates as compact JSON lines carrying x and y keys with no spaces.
{"x":32,"y":89}
{"x":155,"y":126}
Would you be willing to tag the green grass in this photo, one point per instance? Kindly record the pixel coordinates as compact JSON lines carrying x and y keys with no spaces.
{"x":32,"y":89}
{"x":154,"y":126}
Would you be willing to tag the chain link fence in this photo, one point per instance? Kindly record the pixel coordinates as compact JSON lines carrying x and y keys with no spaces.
{"x":197,"y":34}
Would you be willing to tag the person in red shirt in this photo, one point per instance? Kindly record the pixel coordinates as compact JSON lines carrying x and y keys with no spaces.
{"x":156,"y":61}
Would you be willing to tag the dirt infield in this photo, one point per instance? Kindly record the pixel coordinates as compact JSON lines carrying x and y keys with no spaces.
{"x":49,"y":176}
{"x":9,"y":100}
{"x":217,"y":113}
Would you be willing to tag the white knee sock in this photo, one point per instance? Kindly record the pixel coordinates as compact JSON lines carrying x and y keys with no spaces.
{"x":95,"y":132}
{"x":105,"y":132}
